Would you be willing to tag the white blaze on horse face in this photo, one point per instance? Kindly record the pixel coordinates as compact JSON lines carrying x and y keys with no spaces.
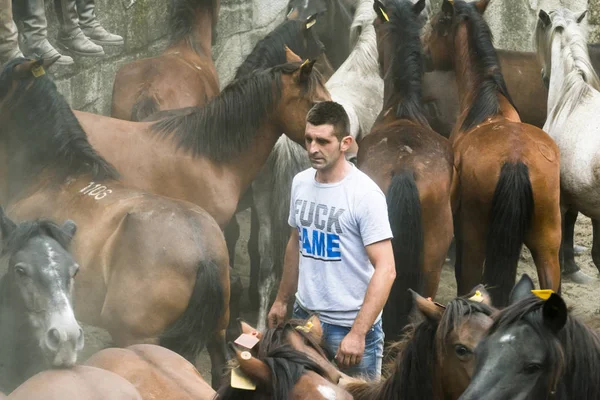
{"x":507,"y":338}
{"x":327,"y":392}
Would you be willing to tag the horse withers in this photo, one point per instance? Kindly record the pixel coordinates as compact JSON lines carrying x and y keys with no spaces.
{"x":38,"y":329}
{"x":508,"y":189}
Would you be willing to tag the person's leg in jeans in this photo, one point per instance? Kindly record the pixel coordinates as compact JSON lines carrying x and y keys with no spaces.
{"x":91,"y":26}
{"x":9,"y":36}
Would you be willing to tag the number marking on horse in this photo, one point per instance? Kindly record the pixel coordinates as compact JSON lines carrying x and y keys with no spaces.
{"x":96,"y":190}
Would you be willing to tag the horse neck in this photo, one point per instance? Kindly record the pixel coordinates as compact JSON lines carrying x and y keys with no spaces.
{"x":200,"y":38}
{"x":557,"y":74}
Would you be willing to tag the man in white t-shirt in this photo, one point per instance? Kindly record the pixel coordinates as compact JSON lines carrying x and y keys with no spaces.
{"x":339,"y":261}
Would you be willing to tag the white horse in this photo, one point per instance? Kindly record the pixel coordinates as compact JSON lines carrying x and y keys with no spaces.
{"x":359,"y":88}
{"x":573,"y":106}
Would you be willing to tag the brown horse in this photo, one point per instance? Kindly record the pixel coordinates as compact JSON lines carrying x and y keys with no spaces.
{"x":435,"y":359}
{"x":152,"y":269}
{"x":156,"y":372}
{"x":508,"y":172}
{"x":78,"y":383}
{"x":183,"y":76}
{"x":410,"y":162}
{"x":209,"y":156}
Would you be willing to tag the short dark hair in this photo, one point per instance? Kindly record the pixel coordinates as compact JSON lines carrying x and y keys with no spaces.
{"x":330,"y":113}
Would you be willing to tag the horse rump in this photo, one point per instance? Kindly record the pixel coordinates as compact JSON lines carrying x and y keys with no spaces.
{"x":404,"y":210}
{"x":190,"y":332}
{"x":511,"y":214}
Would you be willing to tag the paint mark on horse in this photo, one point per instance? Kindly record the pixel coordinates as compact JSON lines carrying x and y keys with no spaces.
{"x":327,"y":392}
{"x":96,"y":190}
{"x":546,"y":152}
{"x":507,"y":338}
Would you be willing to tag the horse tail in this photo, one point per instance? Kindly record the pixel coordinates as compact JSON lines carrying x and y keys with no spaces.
{"x":404,"y":210}
{"x":189,"y":333}
{"x":143,"y":108}
{"x":511,"y":214}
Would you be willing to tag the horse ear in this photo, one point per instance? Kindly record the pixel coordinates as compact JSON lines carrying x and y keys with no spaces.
{"x":521,"y":290}
{"x":427,"y":307}
{"x":380,"y":11}
{"x":252,"y":367}
{"x":448,"y":8}
{"x":36,"y":68}
{"x":7,"y":226}
{"x":316,"y":328}
{"x":482,"y":5}
{"x":70,"y":228}
{"x":290,"y":56}
{"x":306,"y":69}
{"x":581,"y":16}
{"x":310,"y":21}
{"x":418,"y":7}
{"x":555,"y":313}
{"x":545,"y":18}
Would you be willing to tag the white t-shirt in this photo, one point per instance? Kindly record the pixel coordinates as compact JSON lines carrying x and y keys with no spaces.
{"x":335,"y":222}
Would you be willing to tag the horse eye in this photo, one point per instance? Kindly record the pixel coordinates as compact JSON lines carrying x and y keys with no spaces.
{"x":532,"y":368}
{"x":21,"y":271}
{"x":462,"y":351}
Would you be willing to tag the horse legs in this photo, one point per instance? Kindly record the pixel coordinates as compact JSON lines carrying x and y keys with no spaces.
{"x":544,"y":241}
{"x":255,"y":257}
{"x":470,"y":252}
{"x":232,"y":234}
{"x":217,"y":351}
{"x":569,"y":268}
{"x":596,"y":242}
{"x":438,"y":232}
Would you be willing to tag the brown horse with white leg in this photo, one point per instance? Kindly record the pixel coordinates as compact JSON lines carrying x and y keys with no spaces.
{"x":183,"y":76}
{"x":156,"y":372}
{"x":508,"y":172}
{"x":411,"y":163}
{"x":152,"y":269}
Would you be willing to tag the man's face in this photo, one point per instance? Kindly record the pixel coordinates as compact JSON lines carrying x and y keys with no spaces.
{"x":324,"y":148}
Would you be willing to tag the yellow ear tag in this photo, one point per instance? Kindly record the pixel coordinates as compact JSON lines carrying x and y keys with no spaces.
{"x":240,"y":381}
{"x":385,"y":16}
{"x":477,"y":297}
{"x":543,"y":294}
{"x":38,"y":71}
{"x":306,"y":328}
{"x":311,"y":23}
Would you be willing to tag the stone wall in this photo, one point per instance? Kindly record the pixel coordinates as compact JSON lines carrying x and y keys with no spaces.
{"x":88,"y":84}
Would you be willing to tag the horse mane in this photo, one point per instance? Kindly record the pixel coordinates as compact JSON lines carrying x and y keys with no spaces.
{"x":581,"y":76}
{"x":363,"y":17}
{"x":229,"y":123}
{"x":410,"y":374}
{"x":482,"y":50}
{"x":407,"y":61}
{"x":182,"y":16}
{"x":270,"y":50}
{"x":27,"y":230}
{"x":45,"y":123}
{"x":287,"y":366}
{"x":574,"y":351}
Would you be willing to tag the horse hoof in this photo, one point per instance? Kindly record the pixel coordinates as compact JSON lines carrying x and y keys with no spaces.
{"x":578,"y":250}
{"x":579,"y":277}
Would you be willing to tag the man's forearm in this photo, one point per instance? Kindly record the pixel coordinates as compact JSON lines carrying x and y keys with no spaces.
{"x":289,"y":278}
{"x":377,"y":294}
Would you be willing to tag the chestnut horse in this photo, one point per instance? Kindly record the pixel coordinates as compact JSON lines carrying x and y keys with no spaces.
{"x":78,"y":383}
{"x":153,"y":269}
{"x":156,"y":372}
{"x":183,"y":76}
{"x":508,"y":189}
{"x":411,"y":163}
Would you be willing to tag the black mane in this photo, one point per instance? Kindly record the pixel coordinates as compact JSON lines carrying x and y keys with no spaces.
{"x":486,"y":101}
{"x":270,"y":51}
{"x":29,"y":229}
{"x":287,"y":366}
{"x":407,"y":61}
{"x":229,"y":123}
{"x":575,"y":358}
{"x":42,"y":122}
{"x":182,"y":14}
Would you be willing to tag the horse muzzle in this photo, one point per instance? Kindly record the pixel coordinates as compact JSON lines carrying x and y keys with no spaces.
{"x":63,"y":340}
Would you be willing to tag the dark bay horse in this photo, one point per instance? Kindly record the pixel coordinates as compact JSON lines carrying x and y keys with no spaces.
{"x":335,"y":18}
{"x":536,"y":350}
{"x":153,"y":269}
{"x":183,"y":76}
{"x":38,"y":329}
{"x":156,"y":372}
{"x":411,"y":163}
{"x":508,"y":188}
{"x":435,"y":358}
{"x":78,"y":383}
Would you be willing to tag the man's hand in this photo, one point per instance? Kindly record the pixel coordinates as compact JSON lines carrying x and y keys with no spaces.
{"x":351,"y":350}
{"x":277,"y":313}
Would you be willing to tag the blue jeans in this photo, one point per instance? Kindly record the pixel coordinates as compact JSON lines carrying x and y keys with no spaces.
{"x":370,"y":364}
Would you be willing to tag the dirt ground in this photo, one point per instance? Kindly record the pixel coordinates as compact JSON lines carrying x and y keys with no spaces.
{"x":583,"y":300}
